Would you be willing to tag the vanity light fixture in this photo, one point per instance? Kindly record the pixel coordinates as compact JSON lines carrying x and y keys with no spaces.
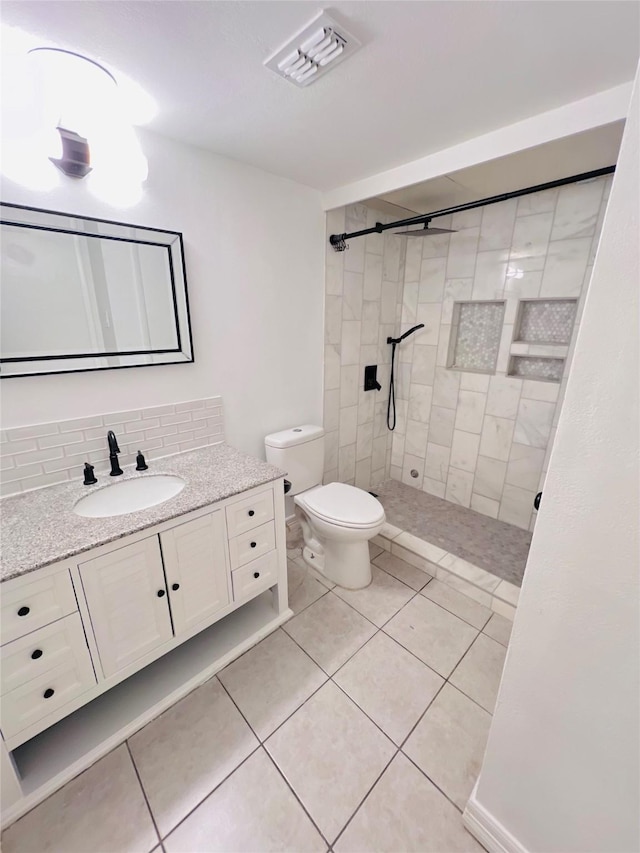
{"x":317,"y":48}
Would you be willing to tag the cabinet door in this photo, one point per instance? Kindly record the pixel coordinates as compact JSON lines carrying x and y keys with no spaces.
{"x":127,"y":601}
{"x":195,"y":564}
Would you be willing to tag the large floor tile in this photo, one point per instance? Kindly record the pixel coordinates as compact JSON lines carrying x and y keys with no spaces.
{"x":103,"y":809}
{"x":403,"y":571}
{"x":449,"y":741}
{"x":389,"y":684}
{"x":457,"y":603}
{"x":184,"y":753}
{"x":252,"y":810}
{"x":331,"y":754}
{"x":434,"y":635}
{"x":405,"y":812}
{"x":499,"y":628}
{"x":304,"y":588}
{"x":478,"y":674}
{"x":380,"y":600}
{"x":330,"y":631}
{"x":270,"y":681}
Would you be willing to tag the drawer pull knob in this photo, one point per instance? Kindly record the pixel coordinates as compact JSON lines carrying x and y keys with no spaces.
{"x":160,"y":593}
{"x":253,"y":544}
{"x":48,"y":693}
{"x":24,"y":611}
{"x":251,"y":513}
{"x":256,"y":574}
{"x":36,"y":653}
{"x":175,"y":586}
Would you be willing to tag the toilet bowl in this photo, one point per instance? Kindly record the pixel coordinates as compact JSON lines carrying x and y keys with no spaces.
{"x":337,"y":520}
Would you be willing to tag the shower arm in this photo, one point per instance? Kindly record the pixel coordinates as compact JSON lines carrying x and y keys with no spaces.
{"x":413,"y":329}
{"x":338,"y":241}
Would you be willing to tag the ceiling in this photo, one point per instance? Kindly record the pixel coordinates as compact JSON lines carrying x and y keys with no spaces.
{"x":429,"y":74}
{"x":562,"y":158}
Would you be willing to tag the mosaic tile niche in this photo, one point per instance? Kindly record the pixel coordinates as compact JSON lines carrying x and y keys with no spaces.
{"x":475,"y":335}
{"x":531,"y":367}
{"x":546,"y":321}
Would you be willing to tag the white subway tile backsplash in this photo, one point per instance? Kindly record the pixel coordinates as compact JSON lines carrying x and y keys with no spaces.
{"x":44,"y":454}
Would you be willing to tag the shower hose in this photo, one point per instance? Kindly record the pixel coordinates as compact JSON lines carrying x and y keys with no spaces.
{"x":391,"y":405}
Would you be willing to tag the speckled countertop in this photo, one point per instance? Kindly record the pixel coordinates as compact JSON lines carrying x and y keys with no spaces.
{"x":40,"y":527}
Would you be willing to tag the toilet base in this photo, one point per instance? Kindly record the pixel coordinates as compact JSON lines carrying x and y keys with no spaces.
{"x":347,"y":564}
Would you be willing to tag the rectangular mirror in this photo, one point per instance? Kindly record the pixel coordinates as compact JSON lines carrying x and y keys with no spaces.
{"x":87,"y":294}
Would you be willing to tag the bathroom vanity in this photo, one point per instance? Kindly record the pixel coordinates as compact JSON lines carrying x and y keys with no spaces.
{"x":106,"y":622}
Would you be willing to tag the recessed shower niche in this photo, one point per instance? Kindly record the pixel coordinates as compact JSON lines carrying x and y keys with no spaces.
{"x":546,"y":321}
{"x":476,"y":330}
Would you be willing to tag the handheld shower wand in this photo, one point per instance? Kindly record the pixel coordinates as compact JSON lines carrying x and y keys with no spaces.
{"x":391,"y":405}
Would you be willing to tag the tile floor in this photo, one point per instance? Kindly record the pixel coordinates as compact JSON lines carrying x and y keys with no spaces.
{"x":495,"y":546}
{"x":360,"y":725}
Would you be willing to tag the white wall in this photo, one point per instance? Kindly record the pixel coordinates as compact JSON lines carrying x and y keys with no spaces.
{"x":561,"y":772}
{"x":254,"y":246}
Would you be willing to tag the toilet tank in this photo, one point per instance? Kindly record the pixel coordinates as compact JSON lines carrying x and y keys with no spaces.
{"x":300,"y":452}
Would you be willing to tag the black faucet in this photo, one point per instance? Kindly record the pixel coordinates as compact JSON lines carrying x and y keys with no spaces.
{"x":116,"y":470}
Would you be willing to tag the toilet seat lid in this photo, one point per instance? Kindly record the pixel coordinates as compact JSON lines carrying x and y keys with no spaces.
{"x":344,"y":505}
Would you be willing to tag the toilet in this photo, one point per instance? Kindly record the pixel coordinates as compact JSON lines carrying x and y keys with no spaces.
{"x":337,"y":520}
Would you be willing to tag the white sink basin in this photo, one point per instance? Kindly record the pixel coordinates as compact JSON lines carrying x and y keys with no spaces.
{"x":126,"y":496}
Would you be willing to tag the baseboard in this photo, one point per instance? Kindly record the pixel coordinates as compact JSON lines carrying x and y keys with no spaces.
{"x":490,"y":833}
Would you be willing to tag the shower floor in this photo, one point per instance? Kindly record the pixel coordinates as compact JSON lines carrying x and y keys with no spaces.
{"x":493,"y":545}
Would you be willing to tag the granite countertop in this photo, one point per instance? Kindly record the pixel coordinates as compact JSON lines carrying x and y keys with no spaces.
{"x":40,"y":527}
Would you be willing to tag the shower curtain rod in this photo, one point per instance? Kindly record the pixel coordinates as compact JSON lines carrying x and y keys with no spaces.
{"x":338,"y":241}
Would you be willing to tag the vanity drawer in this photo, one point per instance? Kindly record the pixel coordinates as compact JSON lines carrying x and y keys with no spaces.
{"x":62,"y":643}
{"x":46,"y":694}
{"x":28,"y":605}
{"x":260,"y":574}
{"x":249,"y":513}
{"x":249,"y":546}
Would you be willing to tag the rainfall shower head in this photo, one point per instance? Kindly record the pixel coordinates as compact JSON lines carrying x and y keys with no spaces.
{"x":425,"y":231}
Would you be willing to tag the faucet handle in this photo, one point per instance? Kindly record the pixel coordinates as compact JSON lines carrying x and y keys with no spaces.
{"x":141,"y":465}
{"x":89,"y":477}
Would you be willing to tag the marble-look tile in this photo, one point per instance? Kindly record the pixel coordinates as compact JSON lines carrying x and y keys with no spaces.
{"x":465,"y":219}
{"x":370,"y":323}
{"x":503,"y":397}
{"x":414,"y":559}
{"x":496,"y":228}
{"x":489,"y":478}
{"x":457,"y":603}
{"x":441,"y":426}
{"x":523,"y":283}
{"x":525,"y":466}
{"x":508,"y":592}
{"x":184,"y":753}
{"x":466,"y":570}
{"x":332,"y":409}
{"x":388,"y":302}
{"x":577,"y":210}
{"x":449,"y":741}
{"x":390,"y":531}
{"x":410,"y":301}
{"x":463,"y":246}
{"x":565,"y":267}
{"x":497,"y":434}
{"x":478,"y":674}
{"x":102,"y":809}
{"x":413,"y":260}
{"x":459,"y":487}
{"x":372,"y":289}
{"x":303,"y":587}
{"x":463,"y":586}
{"x":464,"y":450}
{"x":331,"y":367}
{"x":390,"y":685}
{"x":503,"y":609}
{"x":364,"y":441}
{"x":421,"y":547}
{"x":354,"y":256}
{"x":438,"y":245}
{"x":455,"y":290}
{"x":344,"y":752}
{"x":352,"y":296}
{"x":378,"y":452}
{"x":379,"y":601}
{"x":445,"y":388}
{"x":474,"y":382}
{"x":432,"y":276}
{"x":270,"y":681}
{"x":331,"y":447}
{"x":403,"y":571}
{"x":531,"y":237}
{"x":332,"y":319}
{"x":254,"y":809}
{"x":431,"y":633}
{"x":348,"y":425}
{"x":416,"y":438}
{"x":347,"y":463}
{"x":437,"y":462}
{"x":423,"y":364}
{"x":545,"y":391}
{"x":533,"y":424}
{"x":470,"y":411}
{"x":330,"y":631}
{"x":485,"y":505}
{"x":393,"y":246}
{"x":499,"y":629}
{"x":406,"y":812}
{"x":349,"y":384}
{"x":350,"y":342}
{"x":543,"y":201}
{"x":397,"y":447}
{"x":490,"y":274}
{"x":433,"y":487}
{"x":413,"y":470}
{"x":429,"y":314}
{"x":420,"y":403}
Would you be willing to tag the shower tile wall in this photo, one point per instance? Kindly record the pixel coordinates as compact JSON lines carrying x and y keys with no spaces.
{"x":363,"y":304}
{"x":476,"y":439}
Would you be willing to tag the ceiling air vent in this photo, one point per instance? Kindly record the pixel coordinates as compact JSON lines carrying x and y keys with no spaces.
{"x":313,"y":51}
